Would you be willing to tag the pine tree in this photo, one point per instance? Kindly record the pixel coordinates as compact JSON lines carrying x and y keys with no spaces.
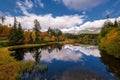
{"x":31,"y":38}
{"x":13,"y":34}
{"x":49,"y":31}
{"x":37,"y":28}
{"x":2,"y":19}
{"x":116,"y":23}
{"x":20,"y":34}
{"x":16,"y":36}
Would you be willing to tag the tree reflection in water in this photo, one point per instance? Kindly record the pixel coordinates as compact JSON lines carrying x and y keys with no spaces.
{"x":113,"y":64}
{"x":39,"y":68}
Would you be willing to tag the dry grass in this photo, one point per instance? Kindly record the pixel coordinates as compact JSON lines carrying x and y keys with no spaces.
{"x":10,"y":68}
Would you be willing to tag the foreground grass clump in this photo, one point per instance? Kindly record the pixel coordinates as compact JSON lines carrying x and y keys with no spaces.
{"x":10,"y":69}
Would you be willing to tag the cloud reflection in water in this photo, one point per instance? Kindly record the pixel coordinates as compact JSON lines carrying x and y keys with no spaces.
{"x":68,"y":53}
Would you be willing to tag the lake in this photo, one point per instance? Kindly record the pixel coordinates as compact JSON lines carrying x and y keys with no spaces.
{"x":68,"y":62}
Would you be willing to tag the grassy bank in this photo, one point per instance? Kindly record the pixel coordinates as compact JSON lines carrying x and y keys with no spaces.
{"x":42,"y":44}
{"x":10,"y":68}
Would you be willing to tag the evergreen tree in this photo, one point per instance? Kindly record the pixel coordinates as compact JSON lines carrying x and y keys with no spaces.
{"x":2,"y":19}
{"x":31,"y":38}
{"x":107,"y":24}
{"x":20,"y":34}
{"x":16,"y":35}
{"x":13,"y":34}
{"x":50,"y":31}
{"x":37,"y":28}
{"x":116,"y":23}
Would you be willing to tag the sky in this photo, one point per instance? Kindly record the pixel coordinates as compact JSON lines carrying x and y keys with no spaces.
{"x":66,"y":15}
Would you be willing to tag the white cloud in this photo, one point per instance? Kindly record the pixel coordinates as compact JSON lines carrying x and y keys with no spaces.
{"x":28,"y":5}
{"x":67,"y":23}
{"x":39,"y":3}
{"x":47,"y":20}
{"x":81,"y":4}
{"x":96,"y":23}
{"x":90,"y":26}
{"x":23,"y":8}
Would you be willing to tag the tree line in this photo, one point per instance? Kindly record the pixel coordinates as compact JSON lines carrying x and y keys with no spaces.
{"x":83,"y":38}
{"x":17,"y":36}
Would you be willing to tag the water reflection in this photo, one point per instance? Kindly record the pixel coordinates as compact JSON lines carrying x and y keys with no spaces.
{"x":68,"y":53}
{"x":87,"y":50}
{"x":82,"y":73}
{"x":64,"y":62}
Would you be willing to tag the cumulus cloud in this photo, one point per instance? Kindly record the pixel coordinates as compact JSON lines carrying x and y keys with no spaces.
{"x":96,"y":23}
{"x":47,"y":21}
{"x":80,"y":4}
{"x":89,"y":26}
{"x":67,"y":23}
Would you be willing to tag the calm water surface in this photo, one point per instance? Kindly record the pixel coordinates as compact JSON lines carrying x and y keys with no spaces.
{"x":69,"y":62}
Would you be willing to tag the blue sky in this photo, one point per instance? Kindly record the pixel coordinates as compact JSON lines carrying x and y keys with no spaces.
{"x":85,"y":10}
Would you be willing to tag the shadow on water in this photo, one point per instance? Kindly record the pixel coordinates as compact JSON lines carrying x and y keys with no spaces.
{"x":67,"y":62}
{"x":113,"y":64}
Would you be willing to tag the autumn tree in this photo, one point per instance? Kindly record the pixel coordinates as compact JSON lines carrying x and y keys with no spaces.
{"x":109,"y":39}
{"x":4,"y":31}
{"x":57,"y":34}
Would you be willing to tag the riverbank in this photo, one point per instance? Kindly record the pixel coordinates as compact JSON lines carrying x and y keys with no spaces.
{"x":10,"y":69}
{"x":42,"y":44}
